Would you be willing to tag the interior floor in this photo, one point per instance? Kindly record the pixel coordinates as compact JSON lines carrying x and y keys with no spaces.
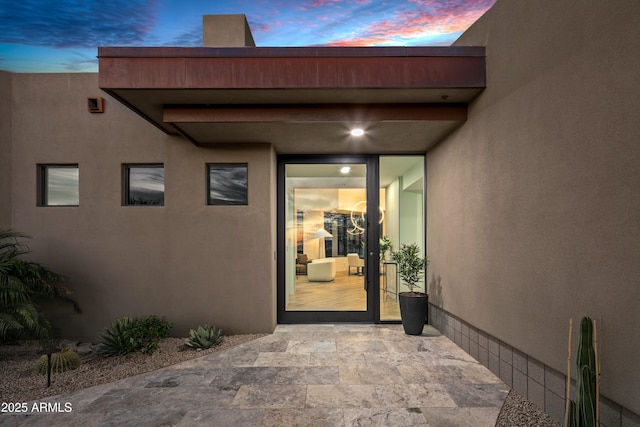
{"x":344,"y":293}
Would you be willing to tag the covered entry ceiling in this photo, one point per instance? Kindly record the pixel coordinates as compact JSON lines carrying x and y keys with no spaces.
{"x":301,"y":100}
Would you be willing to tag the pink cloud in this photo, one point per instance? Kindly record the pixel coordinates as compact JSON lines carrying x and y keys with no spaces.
{"x":322,"y":3}
{"x":261,"y":28}
{"x":304,"y":23}
{"x":432,"y":17}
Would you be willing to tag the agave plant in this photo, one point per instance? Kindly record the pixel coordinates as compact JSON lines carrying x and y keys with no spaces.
{"x":129,"y":335}
{"x":24,"y":285}
{"x":204,"y":337}
{"x":115,"y":340}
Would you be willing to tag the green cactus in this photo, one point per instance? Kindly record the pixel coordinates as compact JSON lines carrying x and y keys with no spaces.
{"x":64,"y":360}
{"x":582,"y":411}
{"x":571,"y":415}
{"x":204,"y":337}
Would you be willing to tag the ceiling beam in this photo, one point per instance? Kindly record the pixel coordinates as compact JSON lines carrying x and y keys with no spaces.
{"x":314,"y":113}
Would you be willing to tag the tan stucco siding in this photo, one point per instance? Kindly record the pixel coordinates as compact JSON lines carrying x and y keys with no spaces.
{"x":188,"y":261}
{"x":533,"y":204}
{"x":5,"y":150}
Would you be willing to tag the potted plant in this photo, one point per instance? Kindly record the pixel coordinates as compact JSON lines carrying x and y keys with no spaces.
{"x":385,"y":245}
{"x":413,"y":305}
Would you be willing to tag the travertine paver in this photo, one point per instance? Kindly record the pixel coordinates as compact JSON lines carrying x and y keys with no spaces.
{"x":316,"y":375}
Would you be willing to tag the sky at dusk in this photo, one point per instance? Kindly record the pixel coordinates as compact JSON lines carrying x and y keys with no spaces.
{"x":63,"y":35}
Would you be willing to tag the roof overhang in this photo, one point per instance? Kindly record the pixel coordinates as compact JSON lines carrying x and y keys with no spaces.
{"x":301,"y":100}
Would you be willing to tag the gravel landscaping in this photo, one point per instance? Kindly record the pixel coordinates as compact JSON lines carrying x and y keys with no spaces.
{"x":517,"y":411}
{"x":19,"y":382}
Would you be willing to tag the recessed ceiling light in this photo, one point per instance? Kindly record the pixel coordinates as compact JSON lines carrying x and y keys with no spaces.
{"x":357,"y":132}
{"x":345,"y":169}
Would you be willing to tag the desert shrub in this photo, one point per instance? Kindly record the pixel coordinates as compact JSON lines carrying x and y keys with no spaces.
{"x":64,"y":360}
{"x":204,"y":337}
{"x":150,"y":331}
{"x":24,"y":286}
{"x":116,"y":339}
{"x":129,"y":335}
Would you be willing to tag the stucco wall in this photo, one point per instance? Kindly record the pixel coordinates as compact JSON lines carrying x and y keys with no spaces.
{"x":533,"y":205}
{"x":5,"y":150}
{"x":226,"y":31}
{"x":188,"y":261}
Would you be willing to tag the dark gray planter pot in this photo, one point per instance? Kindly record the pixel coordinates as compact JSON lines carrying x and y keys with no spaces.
{"x":414,"y":307}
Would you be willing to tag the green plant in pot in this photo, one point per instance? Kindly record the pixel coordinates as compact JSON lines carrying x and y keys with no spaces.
{"x":413,"y":304}
{"x":385,"y":245}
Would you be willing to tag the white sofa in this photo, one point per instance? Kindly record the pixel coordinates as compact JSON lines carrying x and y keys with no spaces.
{"x":321,"y":270}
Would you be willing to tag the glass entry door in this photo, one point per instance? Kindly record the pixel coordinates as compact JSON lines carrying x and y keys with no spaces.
{"x":325,"y":276}
{"x":335,"y":259}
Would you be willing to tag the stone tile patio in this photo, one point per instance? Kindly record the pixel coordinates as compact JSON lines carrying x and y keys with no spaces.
{"x":301,"y":375}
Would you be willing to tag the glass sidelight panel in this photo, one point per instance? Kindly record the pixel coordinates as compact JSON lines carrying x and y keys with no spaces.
{"x":325,"y":237}
{"x":402,"y":195}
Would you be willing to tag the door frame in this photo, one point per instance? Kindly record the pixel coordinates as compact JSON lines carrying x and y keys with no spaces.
{"x":372,"y":276}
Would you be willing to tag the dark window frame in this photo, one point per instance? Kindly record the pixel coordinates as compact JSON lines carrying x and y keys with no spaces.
{"x":126,"y":184}
{"x":43,"y":183}
{"x":209,"y":166}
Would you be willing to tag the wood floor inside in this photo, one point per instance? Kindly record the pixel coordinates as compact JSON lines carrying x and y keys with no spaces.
{"x":344,"y":293}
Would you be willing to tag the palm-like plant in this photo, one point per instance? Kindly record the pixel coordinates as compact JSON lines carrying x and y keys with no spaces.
{"x":24,"y":285}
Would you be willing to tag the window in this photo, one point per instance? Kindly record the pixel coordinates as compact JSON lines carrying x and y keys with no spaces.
{"x":227,"y":184}
{"x":144,"y":185}
{"x":59,"y":185}
{"x":345,"y":234}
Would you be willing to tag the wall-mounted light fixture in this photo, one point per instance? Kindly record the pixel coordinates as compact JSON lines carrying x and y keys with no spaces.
{"x":95,"y":104}
{"x":357,"y":132}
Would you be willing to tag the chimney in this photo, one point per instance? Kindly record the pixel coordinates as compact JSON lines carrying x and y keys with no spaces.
{"x":226,"y":31}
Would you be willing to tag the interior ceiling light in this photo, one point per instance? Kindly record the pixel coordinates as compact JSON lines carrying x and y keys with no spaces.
{"x":345,"y":169}
{"x":357,"y":132}
{"x":359,"y":220}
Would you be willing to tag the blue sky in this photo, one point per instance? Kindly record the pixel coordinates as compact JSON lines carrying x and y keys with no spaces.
{"x":63,"y":35}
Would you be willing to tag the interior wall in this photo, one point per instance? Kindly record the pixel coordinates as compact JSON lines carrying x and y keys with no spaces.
{"x":533,"y":204}
{"x":187,"y":261}
{"x":314,"y":202}
{"x":5,"y":150}
{"x":411,"y":224}
{"x":392,"y":214}
{"x":411,"y":218}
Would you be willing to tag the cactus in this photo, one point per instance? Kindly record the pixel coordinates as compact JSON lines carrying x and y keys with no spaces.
{"x":583,"y":411}
{"x":64,"y":360}
{"x":204,"y":337}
